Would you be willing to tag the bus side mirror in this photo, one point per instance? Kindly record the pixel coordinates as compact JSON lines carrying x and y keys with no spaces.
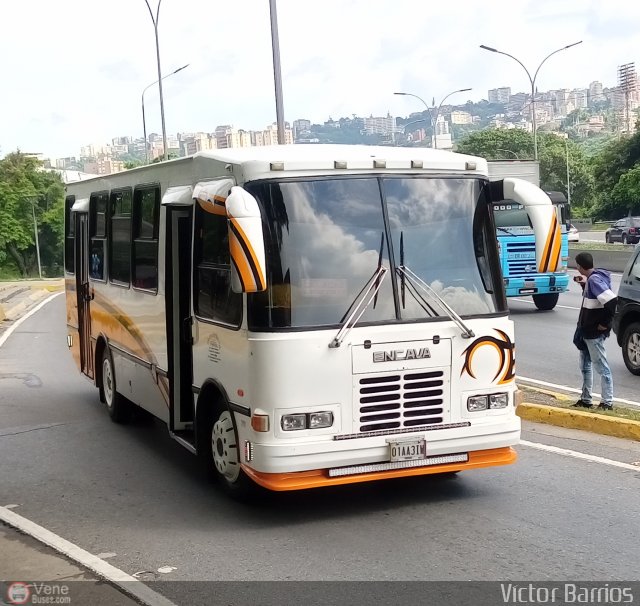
{"x":246,"y":242}
{"x":543,"y":217}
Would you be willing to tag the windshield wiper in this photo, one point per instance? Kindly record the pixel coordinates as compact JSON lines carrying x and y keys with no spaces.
{"x":506,"y":231}
{"x":417,"y":282}
{"x":360,"y":305}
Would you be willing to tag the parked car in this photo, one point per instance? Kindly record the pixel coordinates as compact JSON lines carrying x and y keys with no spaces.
{"x":625,"y":230}
{"x":573,"y":234}
{"x":626,"y":322}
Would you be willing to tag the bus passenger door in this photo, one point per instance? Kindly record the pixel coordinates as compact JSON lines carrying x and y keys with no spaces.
{"x":178,"y":315}
{"x":83,"y":292}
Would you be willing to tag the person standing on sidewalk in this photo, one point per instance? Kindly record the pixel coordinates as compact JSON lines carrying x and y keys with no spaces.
{"x":596,"y":315}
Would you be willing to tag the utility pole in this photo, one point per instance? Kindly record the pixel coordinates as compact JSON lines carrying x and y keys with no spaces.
{"x":35,"y":232}
{"x":277,"y":72}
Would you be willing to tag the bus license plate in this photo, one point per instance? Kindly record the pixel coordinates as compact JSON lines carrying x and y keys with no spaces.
{"x":407,"y":450}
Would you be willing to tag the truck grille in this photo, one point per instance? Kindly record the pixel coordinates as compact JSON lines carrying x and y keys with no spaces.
{"x":401,"y":400}
{"x":526,"y":253}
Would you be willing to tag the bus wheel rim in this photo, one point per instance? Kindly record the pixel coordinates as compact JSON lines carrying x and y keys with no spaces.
{"x":224,"y":448}
{"x":107,"y":382}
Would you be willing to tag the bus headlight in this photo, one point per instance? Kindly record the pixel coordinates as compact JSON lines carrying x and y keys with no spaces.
{"x":475,"y":403}
{"x":498,"y":400}
{"x":311,"y":420}
{"x":293,"y":422}
{"x":317,"y":420}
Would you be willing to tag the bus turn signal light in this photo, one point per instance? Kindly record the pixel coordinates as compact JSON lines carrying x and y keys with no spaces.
{"x":260,"y":422}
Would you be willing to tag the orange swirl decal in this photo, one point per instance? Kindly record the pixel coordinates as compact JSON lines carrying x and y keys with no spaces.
{"x":505,"y":348}
{"x":214,"y":206}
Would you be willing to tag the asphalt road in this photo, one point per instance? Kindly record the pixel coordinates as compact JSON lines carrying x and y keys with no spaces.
{"x":545,"y":350}
{"x":133,"y":494}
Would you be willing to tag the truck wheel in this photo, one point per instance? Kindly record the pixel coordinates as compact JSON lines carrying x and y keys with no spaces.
{"x":118,"y":406}
{"x":546,"y":302}
{"x":631,"y":348}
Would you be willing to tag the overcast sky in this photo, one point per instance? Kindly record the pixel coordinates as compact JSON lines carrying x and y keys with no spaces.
{"x":73,"y":71}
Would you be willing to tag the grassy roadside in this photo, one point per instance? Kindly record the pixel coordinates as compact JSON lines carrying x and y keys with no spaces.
{"x":535,"y":395}
{"x":601,"y":246}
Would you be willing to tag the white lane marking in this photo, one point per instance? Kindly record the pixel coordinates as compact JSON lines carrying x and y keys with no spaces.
{"x":579,"y":455}
{"x":17,"y":323}
{"x":130,"y":585}
{"x":532,"y":303}
{"x":572,"y":390}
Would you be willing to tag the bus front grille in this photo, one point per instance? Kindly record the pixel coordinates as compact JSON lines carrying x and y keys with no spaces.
{"x":401,"y":400}
{"x":521,"y":258}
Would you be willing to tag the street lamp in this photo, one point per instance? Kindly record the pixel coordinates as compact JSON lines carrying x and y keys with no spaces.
{"x":144,"y":123}
{"x":32,"y":201}
{"x":277,"y":73}
{"x":154,"y":19}
{"x":566,"y":149}
{"x":433,"y":119}
{"x":533,"y":86}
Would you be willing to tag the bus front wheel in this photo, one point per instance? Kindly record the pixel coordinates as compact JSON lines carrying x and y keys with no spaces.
{"x":220,"y":454}
{"x":118,"y":406}
{"x":546,"y":302}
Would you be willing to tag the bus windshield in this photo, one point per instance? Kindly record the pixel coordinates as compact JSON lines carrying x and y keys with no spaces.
{"x":325,"y":238}
{"x":508,"y":213}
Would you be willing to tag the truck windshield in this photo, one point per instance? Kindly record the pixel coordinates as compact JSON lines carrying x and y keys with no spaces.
{"x":326,"y":237}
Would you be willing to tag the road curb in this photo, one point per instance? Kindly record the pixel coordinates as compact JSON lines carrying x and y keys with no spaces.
{"x":577,"y":419}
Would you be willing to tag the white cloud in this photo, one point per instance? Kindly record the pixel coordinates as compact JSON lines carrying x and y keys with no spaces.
{"x":74,"y":70}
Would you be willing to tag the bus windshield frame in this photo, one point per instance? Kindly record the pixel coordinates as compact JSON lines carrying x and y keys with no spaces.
{"x":326,"y":236}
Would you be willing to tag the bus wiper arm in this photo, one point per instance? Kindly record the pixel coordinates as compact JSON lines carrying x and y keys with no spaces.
{"x":360,"y":305}
{"x":417,"y":282}
{"x":506,"y":231}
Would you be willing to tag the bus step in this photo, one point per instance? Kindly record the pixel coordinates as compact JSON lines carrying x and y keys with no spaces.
{"x":185,"y":437}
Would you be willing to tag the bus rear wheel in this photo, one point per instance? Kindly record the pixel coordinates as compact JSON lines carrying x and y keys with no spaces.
{"x":546,"y":302}
{"x":220,"y":455}
{"x":118,"y":406}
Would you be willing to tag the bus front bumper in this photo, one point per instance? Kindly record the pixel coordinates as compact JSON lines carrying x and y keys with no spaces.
{"x":318,"y":478}
{"x":279,"y":466}
{"x":536,"y":285}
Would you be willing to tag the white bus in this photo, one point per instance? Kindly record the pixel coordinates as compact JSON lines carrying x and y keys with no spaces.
{"x":303,"y":315}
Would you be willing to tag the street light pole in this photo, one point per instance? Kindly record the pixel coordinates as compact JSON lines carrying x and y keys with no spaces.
{"x":434,"y":141}
{"x":35,"y":231}
{"x":566,"y":149}
{"x":461,"y":90}
{"x":144,"y":122}
{"x":428,"y":110}
{"x":155,"y":29}
{"x":277,"y":72}
{"x":532,"y":81}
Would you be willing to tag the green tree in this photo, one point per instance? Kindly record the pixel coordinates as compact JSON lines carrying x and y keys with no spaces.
{"x":27,"y":189}
{"x":626,"y":192}
{"x":619,"y":157}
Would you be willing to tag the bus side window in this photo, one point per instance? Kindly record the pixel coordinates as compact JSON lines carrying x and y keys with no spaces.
{"x":98,"y":204}
{"x":69,"y":235}
{"x":146,"y":215}
{"x":213,"y":296}
{"x":120,"y":237}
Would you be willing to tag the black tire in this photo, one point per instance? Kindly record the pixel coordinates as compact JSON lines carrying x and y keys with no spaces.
{"x":118,"y":407}
{"x":607,"y":239}
{"x":546,"y":302}
{"x":219,"y":454}
{"x":631,"y":348}
{"x":624,"y":238}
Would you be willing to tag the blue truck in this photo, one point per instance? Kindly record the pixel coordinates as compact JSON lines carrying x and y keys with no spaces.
{"x":516,"y":241}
